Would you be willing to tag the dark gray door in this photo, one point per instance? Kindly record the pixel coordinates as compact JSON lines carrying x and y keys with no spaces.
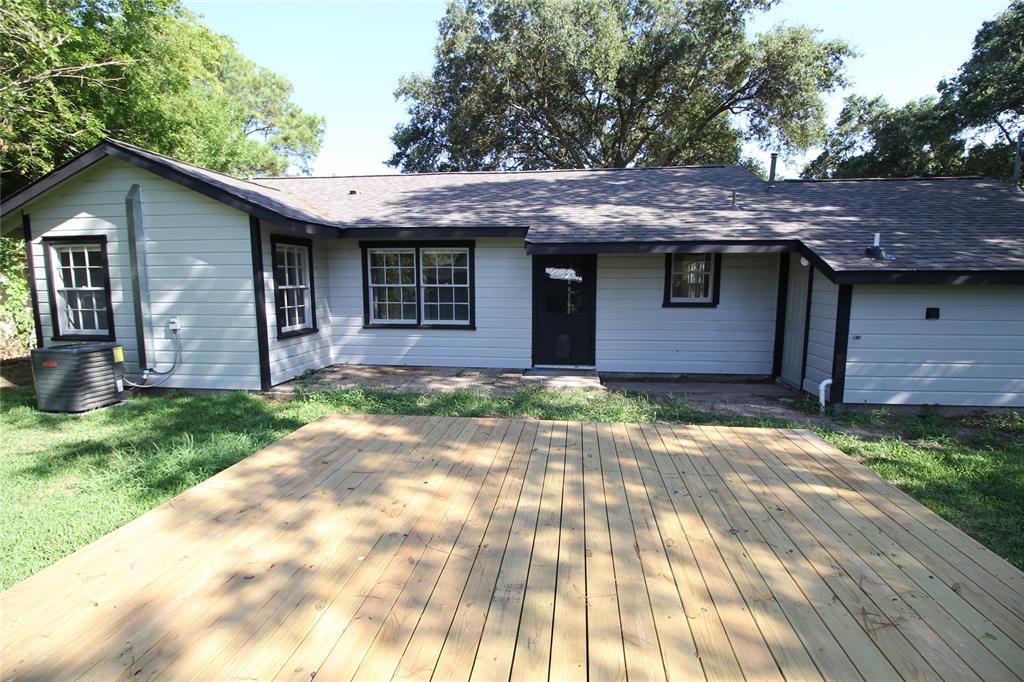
{"x":564,"y":289}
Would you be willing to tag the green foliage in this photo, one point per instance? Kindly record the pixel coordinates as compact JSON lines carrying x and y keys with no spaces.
{"x":612,"y":83}
{"x":969,"y":470}
{"x":988,"y":91}
{"x":969,"y":130}
{"x":16,"y":323}
{"x":871,"y":139}
{"x":147,"y":72}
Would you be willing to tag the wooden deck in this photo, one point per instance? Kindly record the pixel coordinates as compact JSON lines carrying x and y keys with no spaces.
{"x":419,"y":547}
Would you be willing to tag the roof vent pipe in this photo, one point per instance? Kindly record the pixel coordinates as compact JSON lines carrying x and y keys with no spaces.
{"x":771,"y":172}
{"x":1016,"y":162}
{"x":876,"y":251}
{"x":732,"y":204}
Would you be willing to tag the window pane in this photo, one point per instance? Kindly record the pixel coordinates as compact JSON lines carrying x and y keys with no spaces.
{"x":97,"y":277}
{"x":692,"y":277}
{"x":444,"y":280}
{"x":563,"y":290}
{"x":80,"y":281}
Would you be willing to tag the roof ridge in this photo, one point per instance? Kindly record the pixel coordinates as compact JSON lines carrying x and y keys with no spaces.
{"x":498,"y":172}
{"x":909,"y":178}
{"x":114,"y":141}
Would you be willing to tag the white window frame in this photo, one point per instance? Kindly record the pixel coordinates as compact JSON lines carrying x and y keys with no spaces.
{"x":419,"y":287}
{"x":676,"y":264}
{"x":423,"y":286}
{"x":371,"y":286}
{"x":95,"y":257}
{"x":286,"y":278}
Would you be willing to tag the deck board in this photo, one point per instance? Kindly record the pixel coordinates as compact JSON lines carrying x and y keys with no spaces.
{"x":376,"y":547}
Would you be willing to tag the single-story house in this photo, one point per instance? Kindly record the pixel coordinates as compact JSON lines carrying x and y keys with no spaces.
{"x":244,"y":284}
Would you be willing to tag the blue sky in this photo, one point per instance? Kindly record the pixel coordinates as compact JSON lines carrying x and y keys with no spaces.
{"x":345,"y":58}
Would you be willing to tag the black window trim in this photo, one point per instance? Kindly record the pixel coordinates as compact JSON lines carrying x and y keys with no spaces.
{"x":313,"y":328}
{"x":48,"y":244}
{"x":470,"y":245}
{"x":716,"y":281}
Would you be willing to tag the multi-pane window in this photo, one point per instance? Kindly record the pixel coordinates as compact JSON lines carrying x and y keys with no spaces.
{"x":444,"y":279}
{"x":80,"y":289}
{"x":293,"y":286}
{"x":392,"y":282}
{"x":419,"y":285}
{"x":692,"y":278}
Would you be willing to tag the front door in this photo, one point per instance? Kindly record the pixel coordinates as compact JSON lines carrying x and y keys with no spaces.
{"x":564,"y":289}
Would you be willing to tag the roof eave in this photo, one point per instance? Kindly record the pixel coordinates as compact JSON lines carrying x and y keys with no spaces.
{"x":879,"y":276}
{"x":109,"y":148}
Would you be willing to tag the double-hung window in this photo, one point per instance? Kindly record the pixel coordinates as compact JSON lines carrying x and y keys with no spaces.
{"x":79,"y":288}
{"x":692,"y":279}
{"x":294,"y":295}
{"x":419,"y":285}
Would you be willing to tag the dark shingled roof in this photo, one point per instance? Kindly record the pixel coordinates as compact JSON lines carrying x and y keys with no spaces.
{"x":927,"y":224}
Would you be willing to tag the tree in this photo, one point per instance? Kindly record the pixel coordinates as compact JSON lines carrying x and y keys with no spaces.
{"x":522,"y":84}
{"x":872,"y":139}
{"x":147,"y":72}
{"x":988,"y":90}
{"x":970,"y":129}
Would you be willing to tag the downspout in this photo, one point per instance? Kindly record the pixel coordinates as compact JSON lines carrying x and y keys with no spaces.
{"x":140,"y":297}
{"x":140,"y":283}
{"x":822,"y":387}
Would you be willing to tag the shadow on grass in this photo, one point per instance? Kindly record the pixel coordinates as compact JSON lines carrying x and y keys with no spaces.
{"x":969,"y":469}
{"x":151,"y":447}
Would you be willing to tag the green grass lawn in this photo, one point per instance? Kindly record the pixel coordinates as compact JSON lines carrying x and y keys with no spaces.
{"x":67,"y":480}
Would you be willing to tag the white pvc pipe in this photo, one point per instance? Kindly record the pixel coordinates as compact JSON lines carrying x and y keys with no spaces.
{"x":821,"y":395}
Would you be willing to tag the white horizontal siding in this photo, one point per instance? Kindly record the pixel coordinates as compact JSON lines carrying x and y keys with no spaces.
{"x":292,"y":356}
{"x":209,"y":290}
{"x":821,"y":334}
{"x":973,"y":355}
{"x":502,"y":338}
{"x":635,"y":333}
